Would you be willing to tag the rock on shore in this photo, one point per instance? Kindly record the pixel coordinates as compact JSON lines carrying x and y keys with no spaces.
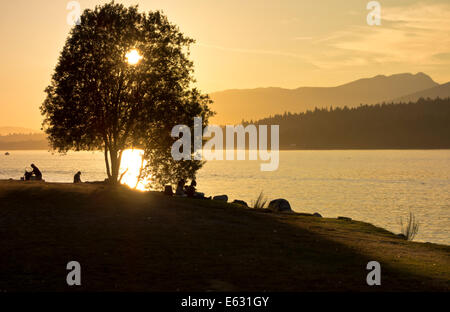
{"x":280,"y":205}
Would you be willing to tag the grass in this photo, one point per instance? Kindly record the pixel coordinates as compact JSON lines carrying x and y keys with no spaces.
{"x":411,"y":228}
{"x":131,"y":241}
{"x":260,"y":202}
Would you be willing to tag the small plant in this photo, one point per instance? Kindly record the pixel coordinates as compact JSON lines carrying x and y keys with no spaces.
{"x":411,"y":228}
{"x":260,"y":202}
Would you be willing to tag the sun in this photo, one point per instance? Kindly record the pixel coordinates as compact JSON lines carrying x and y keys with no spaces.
{"x":131,"y":165}
{"x":133,"y":57}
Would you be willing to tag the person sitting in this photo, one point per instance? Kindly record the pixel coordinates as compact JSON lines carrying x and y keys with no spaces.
{"x":77,"y":177}
{"x":190,"y":191}
{"x":27,"y":175}
{"x":37,"y":173}
{"x":168,"y":190}
{"x":180,"y":188}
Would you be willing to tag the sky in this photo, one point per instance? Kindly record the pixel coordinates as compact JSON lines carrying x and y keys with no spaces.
{"x":240,"y":44}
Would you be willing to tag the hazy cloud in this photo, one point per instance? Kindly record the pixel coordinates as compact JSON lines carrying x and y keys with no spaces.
{"x":408,"y":34}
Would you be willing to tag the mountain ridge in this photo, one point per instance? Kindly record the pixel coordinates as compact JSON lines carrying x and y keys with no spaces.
{"x":234,"y":105}
{"x":441,"y":91}
{"x":16,"y":130}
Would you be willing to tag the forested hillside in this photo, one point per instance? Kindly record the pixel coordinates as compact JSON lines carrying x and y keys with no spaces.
{"x":33,"y":141}
{"x":423,"y":124}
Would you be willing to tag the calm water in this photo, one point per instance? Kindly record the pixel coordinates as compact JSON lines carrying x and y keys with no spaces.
{"x":374,"y":186}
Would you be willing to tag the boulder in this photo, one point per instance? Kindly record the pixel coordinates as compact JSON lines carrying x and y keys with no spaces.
{"x":345,"y":218}
{"x":240,"y":202}
{"x":199,"y":195}
{"x":316,"y":214}
{"x":223,"y":198}
{"x":280,"y":205}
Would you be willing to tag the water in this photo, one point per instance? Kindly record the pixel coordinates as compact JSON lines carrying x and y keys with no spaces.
{"x":377,"y":186}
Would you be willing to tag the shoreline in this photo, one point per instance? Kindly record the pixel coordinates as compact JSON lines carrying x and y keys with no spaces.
{"x":151,"y":242}
{"x":284,"y":149}
{"x":294,"y":210}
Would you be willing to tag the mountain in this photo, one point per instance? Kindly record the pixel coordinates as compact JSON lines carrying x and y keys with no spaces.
{"x":11,"y":130}
{"x":232,"y":106}
{"x":441,"y":91}
{"x":31,"y":141}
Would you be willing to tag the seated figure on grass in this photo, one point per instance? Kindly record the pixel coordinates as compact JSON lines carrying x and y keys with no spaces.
{"x":190,"y":190}
{"x":180,"y":188}
{"x":77,"y":177}
{"x":36,"y":172}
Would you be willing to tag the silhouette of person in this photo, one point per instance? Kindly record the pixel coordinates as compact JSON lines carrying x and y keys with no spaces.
{"x":77,"y":177}
{"x":36,"y":172}
{"x":180,"y":187}
{"x":190,"y":191}
{"x":168,"y":190}
{"x":27,"y":175}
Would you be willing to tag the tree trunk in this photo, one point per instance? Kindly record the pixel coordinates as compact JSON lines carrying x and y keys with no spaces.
{"x":115,"y":166}
{"x":116,"y":158}
{"x":108,"y":169}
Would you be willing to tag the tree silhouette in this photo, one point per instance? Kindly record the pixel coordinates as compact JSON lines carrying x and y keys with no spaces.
{"x":99,"y":101}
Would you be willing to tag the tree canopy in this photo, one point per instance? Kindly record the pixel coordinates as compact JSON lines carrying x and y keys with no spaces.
{"x":98,"y":101}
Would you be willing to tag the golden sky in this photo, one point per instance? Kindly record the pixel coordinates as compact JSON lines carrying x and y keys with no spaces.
{"x":240,"y":44}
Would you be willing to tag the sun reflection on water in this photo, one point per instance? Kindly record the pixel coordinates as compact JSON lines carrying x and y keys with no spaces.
{"x":132,"y":163}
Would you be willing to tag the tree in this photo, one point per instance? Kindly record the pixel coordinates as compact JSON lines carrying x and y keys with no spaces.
{"x":98,"y":101}
{"x":161,"y":167}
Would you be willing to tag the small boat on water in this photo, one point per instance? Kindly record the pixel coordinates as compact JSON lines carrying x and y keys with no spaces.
{"x":7,"y":153}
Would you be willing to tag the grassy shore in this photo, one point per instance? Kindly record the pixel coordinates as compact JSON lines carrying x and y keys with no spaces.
{"x":132,"y":241}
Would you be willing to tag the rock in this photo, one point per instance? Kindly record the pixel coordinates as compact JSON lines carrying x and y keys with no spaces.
{"x":240,"y":202}
{"x":223,"y":198}
{"x":402,"y":236}
{"x":199,"y":195}
{"x":345,"y":218}
{"x":280,"y":205}
{"x":168,"y":190}
{"x":316,"y":214}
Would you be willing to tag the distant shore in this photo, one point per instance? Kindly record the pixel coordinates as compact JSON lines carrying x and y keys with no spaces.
{"x":4,"y":150}
{"x":133,"y":241}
